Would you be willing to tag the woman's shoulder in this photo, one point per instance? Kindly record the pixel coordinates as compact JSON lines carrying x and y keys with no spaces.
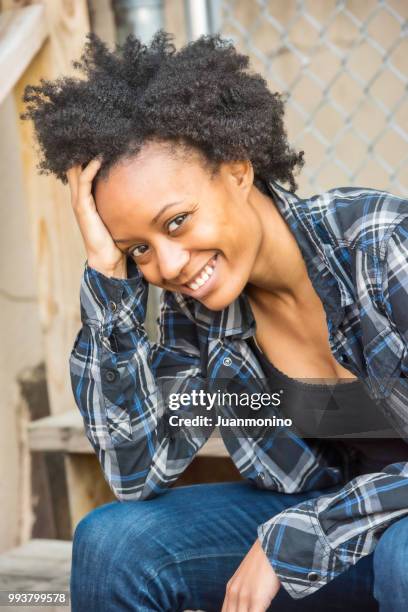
{"x":361,"y":217}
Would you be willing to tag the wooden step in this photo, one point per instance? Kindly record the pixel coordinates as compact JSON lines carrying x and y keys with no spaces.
{"x":37,"y":565}
{"x":65,"y":432}
{"x":86,"y":484}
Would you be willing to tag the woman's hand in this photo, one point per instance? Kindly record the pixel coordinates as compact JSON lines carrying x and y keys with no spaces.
{"x":254,"y":584}
{"x":102,"y":253}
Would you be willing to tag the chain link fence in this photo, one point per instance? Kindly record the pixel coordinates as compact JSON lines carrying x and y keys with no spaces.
{"x":343,"y":67}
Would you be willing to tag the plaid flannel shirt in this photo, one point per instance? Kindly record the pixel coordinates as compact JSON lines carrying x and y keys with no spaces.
{"x":355,"y":245}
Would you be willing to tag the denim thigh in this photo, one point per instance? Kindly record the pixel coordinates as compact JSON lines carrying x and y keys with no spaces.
{"x":391,"y":568}
{"x":178,"y":550}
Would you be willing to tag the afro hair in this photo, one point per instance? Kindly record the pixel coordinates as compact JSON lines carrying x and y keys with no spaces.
{"x":202,"y":96}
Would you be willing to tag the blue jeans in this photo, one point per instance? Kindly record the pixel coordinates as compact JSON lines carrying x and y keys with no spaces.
{"x":178,"y":551}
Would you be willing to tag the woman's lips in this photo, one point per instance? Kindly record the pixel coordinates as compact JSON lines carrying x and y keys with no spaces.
{"x":207,"y":286}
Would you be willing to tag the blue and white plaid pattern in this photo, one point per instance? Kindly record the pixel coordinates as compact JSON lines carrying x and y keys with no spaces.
{"x":355,"y":245}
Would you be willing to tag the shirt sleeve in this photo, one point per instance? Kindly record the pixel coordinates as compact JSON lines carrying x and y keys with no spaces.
{"x":119,"y":383}
{"x":395,"y":286}
{"x":313,"y":542}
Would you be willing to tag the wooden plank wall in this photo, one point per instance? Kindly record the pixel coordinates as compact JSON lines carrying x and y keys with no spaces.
{"x":57,"y":245}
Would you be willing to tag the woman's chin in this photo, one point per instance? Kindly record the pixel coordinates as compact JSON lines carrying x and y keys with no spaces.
{"x":219,"y":300}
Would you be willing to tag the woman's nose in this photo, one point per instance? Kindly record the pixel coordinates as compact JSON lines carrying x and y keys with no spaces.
{"x":171,"y":261}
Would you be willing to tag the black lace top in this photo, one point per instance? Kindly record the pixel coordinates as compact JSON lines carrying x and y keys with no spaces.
{"x":341,"y":411}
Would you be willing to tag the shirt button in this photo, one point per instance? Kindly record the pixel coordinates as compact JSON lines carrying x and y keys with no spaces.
{"x":112,"y":306}
{"x":111,"y":376}
{"x":261,"y":476}
{"x":313,"y":576}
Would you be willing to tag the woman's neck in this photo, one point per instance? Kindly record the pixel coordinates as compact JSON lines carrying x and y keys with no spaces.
{"x":280,"y":270}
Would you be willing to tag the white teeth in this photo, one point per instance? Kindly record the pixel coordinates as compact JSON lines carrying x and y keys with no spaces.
{"x":203,"y":278}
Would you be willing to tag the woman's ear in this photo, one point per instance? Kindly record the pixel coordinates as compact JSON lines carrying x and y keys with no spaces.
{"x":242,"y":173}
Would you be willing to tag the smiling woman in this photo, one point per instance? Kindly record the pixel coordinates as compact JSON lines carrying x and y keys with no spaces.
{"x":175,"y":161}
{"x":180,"y":223}
{"x":145,"y":124}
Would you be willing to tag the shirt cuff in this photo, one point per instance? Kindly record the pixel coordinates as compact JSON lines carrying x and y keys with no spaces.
{"x":298,"y":550}
{"x":109,"y":302}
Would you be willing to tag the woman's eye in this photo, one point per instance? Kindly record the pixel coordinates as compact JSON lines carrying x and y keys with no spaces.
{"x":178,"y":221}
{"x":138,"y":250}
{"x":172,"y":226}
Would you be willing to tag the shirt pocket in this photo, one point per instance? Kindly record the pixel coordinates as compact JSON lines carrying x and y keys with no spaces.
{"x":386,"y":360}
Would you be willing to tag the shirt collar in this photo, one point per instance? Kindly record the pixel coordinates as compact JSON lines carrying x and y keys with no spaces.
{"x":237,"y":320}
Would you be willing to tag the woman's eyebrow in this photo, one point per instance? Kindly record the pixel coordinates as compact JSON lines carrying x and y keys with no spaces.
{"x":162,"y":210}
{"x":153,"y":221}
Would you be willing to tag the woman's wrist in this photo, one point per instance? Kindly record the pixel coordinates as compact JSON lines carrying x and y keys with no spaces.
{"x":119,"y":271}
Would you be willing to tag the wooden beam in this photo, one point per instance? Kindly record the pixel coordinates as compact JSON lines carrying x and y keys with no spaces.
{"x":87,"y":486}
{"x":57,"y":244}
{"x":61,"y":432}
{"x":103,"y":20}
{"x":65,"y":432}
{"x":22,"y":32}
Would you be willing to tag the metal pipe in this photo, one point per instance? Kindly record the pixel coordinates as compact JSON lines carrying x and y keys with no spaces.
{"x":139,"y":17}
{"x":197,"y":18}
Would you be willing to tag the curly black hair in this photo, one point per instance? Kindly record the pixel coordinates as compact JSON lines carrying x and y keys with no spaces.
{"x":201,"y":96}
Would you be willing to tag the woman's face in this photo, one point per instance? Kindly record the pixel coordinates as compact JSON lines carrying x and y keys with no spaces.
{"x":187,"y":231}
